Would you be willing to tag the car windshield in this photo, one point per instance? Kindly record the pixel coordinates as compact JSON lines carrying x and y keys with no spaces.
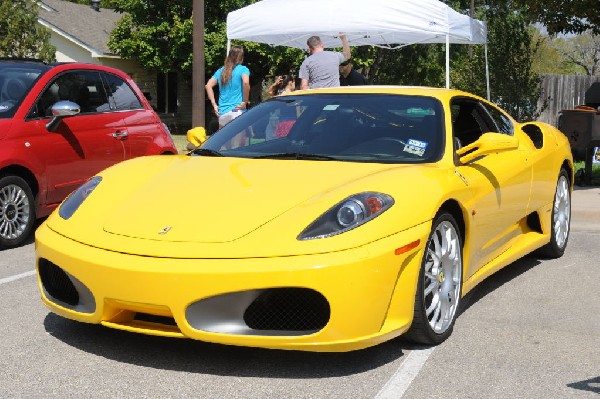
{"x":340,"y":127}
{"x":16,"y":79}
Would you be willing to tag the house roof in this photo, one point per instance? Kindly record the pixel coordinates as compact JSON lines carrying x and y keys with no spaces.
{"x":80,"y":23}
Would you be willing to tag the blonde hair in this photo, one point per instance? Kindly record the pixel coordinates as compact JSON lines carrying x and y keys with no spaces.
{"x":234,"y":58}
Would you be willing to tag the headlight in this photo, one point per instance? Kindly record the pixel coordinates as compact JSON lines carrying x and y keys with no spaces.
{"x":348,"y":214}
{"x":73,"y":201}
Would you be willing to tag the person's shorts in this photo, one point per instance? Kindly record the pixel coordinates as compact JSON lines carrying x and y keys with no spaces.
{"x":229,"y":116}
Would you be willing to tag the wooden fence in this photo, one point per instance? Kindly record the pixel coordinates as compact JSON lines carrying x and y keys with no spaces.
{"x":562,"y":92}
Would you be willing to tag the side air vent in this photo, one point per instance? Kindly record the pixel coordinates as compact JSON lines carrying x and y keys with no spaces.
{"x":535,"y":134}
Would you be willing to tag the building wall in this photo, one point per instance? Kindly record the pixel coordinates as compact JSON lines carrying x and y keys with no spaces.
{"x":67,"y":51}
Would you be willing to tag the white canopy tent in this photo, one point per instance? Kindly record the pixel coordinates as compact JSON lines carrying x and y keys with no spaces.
{"x":384,"y":23}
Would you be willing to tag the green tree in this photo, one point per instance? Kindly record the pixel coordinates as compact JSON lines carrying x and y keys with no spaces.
{"x":516,"y":86}
{"x":563,"y":16}
{"x":548,"y":59}
{"x":158,"y":34}
{"x":512,"y":45}
{"x":581,"y":52}
{"x":20,"y":34}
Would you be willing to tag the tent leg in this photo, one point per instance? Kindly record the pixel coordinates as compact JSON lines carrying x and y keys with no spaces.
{"x":447,"y":61}
{"x":228,"y":47}
{"x":487,"y":72}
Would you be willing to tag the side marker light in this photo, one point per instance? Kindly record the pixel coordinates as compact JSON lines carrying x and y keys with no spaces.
{"x":407,"y":247}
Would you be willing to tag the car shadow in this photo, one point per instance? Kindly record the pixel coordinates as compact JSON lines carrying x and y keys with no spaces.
{"x":206,"y":358}
{"x":497,"y":280}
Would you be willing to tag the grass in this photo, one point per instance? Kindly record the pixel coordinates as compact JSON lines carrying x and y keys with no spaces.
{"x":180,"y":142}
{"x":595,"y":172}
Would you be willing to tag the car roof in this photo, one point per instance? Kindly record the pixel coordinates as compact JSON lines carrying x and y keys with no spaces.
{"x":43,"y":66}
{"x":26,"y":62}
{"x":436,"y":92}
{"x":441,"y":93}
{"x":392,"y":89}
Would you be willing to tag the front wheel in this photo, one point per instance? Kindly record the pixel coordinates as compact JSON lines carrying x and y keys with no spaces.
{"x":17,"y":211}
{"x":561,"y":219}
{"x":439,"y":285}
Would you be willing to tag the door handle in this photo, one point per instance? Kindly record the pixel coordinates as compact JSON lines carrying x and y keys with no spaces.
{"x":120,"y":135}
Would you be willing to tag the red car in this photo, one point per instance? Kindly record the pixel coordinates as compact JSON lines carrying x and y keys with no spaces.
{"x":59,"y":125}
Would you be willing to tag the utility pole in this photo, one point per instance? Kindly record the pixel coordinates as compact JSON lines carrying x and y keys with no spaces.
{"x":198,"y":95}
{"x":472,"y":15}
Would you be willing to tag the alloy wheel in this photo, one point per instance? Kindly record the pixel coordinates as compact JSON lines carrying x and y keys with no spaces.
{"x":14,"y":211}
{"x":442,"y":277}
{"x":562,"y":212}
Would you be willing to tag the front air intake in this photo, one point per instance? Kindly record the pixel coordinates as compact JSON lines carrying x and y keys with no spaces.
{"x":56,"y":283}
{"x":288,"y":309}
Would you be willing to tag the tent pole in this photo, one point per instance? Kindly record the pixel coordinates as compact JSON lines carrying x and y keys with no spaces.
{"x":487,"y":72}
{"x":228,"y":47}
{"x":447,"y":61}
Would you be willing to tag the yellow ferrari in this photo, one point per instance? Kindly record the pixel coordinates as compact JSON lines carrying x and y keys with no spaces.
{"x":323,"y":220}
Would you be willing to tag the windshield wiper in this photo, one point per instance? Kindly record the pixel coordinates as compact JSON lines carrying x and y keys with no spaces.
{"x":298,"y":155}
{"x":207,"y":152}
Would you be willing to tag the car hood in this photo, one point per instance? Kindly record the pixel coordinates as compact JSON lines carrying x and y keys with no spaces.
{"x":181,"y":206}
{"x":225,"y":199}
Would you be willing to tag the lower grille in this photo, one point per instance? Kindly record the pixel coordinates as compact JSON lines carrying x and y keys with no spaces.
{"x":288,"y":309}
{"x":57,"y":283}
{"x":150,"y":318}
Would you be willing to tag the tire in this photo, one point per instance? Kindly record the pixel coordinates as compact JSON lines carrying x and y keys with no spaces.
{"x":17,"y":211}
{"x":561,"y":219}
{"x":439,"y":285}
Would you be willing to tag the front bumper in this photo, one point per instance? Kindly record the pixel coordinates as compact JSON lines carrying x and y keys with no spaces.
{"x":369,"y":292}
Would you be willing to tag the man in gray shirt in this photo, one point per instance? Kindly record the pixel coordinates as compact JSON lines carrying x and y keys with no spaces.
{"x":321,"y":68}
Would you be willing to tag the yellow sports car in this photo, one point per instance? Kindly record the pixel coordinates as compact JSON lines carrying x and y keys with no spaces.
{"x":323,"y":220}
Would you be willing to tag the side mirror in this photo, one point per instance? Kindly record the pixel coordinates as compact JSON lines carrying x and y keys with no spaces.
{"x":61,"y":110}
{"x":488,"y":143}
{"x":196,"y":137}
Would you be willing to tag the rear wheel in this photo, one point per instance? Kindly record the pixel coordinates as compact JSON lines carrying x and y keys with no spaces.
{"x":561,"y":219}
{"x":17,"y":211}
{"x":439,"y":285}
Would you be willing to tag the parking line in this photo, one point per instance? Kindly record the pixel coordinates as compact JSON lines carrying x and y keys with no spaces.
{"x":16,"y":277}
{"x":406,"y":373}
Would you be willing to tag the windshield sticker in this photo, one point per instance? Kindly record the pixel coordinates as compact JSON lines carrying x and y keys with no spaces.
{"x":331,"y":107}
{"x":416,"y":147}
{"x":4,"y":108}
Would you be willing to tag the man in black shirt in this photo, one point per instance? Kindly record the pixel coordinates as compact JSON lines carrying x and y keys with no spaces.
{"x":350,"y":76}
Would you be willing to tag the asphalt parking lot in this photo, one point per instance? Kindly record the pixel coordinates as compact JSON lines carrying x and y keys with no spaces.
{"x":530,"y":331}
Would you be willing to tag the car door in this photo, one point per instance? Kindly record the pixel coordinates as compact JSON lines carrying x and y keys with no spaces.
{"x":143,"y":132}
{"x":83,"y":144}
{"x":500,"y":182}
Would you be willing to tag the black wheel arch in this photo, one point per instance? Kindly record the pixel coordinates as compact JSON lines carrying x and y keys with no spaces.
{"x":452,"y":207}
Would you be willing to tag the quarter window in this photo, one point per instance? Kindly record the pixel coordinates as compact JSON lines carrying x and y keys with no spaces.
{"x":122,"y":97}
{"x":501,"y":121}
